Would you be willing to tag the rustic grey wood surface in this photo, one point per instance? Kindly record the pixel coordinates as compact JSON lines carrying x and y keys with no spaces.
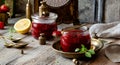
{"x":35,"y":54}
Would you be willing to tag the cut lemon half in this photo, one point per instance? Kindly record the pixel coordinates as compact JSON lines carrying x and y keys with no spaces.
{"x":22,"y":26}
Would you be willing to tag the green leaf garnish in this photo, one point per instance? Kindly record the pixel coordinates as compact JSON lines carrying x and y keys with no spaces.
{"x":83,"y":49}
{"x":87,"y":54}
{"x":91,"y":51}
{"x":82,"y":46}
{"x":11,"y":30}
{"x":77,"y":50}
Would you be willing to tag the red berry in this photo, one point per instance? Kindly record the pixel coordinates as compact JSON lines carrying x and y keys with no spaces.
{"x":1,"y":25}
{"x":56,"y":33}
{"x":4,"y":8}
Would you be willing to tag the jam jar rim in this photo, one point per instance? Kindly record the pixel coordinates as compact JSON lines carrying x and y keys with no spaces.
{"x":52,"y":16}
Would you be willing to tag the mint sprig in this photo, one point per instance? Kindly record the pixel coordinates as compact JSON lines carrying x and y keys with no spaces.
{"x":87,"y":54}
{"x":83,"y":49}
{"x":11,"y":30}
{"x":91,"y":51}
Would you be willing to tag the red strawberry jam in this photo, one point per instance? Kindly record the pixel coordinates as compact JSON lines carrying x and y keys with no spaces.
{"x":44,"y":25}
{"x":73,"y":39}
{"x":47,"y":29}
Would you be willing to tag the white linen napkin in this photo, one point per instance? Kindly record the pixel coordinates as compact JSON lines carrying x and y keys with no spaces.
{"x":105,"y":30}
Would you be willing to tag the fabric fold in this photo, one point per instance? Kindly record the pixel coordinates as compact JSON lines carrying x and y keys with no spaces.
{"x":105,"y":30}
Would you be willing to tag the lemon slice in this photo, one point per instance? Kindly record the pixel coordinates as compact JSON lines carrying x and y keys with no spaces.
{"x":22,"y":26}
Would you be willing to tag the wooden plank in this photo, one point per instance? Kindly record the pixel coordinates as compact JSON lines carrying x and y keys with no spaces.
{"x":51,"y":58}
{"x":3,"y":31}
{"x":1,"y":44}
{"x":44,"y":55}
{"x":32,"y":53}
{"x":8,"y":55}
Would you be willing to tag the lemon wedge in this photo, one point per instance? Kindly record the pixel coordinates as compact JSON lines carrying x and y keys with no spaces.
{"x":22,"y":26}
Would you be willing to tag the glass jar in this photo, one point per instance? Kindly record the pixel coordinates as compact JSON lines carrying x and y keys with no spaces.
{"x":44,"y":25}
{"x":73,"y":39}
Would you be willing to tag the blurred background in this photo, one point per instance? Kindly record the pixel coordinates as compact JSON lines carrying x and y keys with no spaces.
{"x":75,"y":10}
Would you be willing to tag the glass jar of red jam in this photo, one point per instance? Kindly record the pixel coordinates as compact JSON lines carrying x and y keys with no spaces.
{"x":73,"y":39}
{"x":44,"y":25}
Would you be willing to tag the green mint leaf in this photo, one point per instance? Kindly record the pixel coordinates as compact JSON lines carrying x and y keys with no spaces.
{"x":85,"y":49}
{"x":77,"y":50}
{"x":91,"y":51}
{"x":11,"y":30}
{"x":82,"y":46}
{"x":87,"y":54}
{"x":82,"y":50}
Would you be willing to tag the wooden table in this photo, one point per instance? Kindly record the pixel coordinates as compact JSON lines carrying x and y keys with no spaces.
{"x":36,"y":54}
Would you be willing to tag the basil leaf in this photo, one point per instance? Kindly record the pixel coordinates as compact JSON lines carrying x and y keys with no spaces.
{"x":91,"y":51}
{"x":87,"y":54}
{"x":77,"y":50}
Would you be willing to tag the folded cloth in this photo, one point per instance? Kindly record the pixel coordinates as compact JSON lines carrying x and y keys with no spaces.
{"x":105,"y":30}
